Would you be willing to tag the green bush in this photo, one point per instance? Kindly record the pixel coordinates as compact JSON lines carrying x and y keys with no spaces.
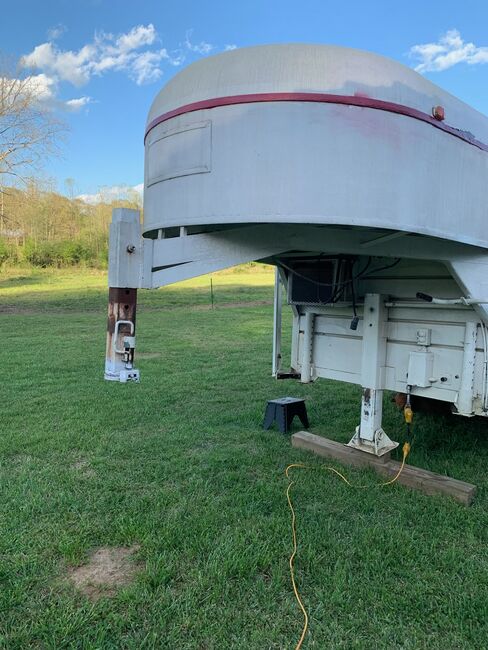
{"x":74,"y":252}
{"x":65,"y":253}
{"x":101,"y":259}
{"x":41,"y":254}
{"x":8,"y":252}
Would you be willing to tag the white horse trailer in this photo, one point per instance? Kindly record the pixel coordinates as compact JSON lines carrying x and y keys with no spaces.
{"x":364,"y":184}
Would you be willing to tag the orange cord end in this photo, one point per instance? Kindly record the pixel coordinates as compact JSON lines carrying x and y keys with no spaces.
{"x":408,"y":414}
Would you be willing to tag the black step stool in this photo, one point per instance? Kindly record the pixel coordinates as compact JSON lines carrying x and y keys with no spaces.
{"x":283,"y":410}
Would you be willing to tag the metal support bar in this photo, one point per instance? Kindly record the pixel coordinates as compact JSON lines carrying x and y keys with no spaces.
{"x":464,"y":402}
{"x":471,"y":274}
{"x":277,"y":313}
{"x":307,"y":348}
{"x":121,"y":324}
{"x":369,"y":435}
{"x":294,"y":361}
{"x":126,"y":251}
{"x":127,"y":254}
{"x":383,"y":238}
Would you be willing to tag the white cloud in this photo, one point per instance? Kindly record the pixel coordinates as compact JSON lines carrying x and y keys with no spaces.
{"x":66,"y":66}
{"x":448,"y":51}
{"x":77,"y":104}
{"x":43,"y":89}
{"x":107,"y":194}
{"x":42,"y":86}
{"x":56,"y":31}
{"x":136,"y":38}
{"x":177,"y":58}
{"x":123,"y":53}
{"x":231,"y":46}
{"x":135,"y":53}
{"x":145,"y":68}
{"x":199,"y":48}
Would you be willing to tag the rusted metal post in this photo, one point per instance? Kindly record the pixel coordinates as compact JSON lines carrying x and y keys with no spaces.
{"x":124,"y":276}
{"x":121,"y":327}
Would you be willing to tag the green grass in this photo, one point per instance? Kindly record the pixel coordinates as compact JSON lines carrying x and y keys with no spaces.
{"x":180,"y":465}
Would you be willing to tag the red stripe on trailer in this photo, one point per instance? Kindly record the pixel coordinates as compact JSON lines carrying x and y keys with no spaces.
{"x":321,"y":98}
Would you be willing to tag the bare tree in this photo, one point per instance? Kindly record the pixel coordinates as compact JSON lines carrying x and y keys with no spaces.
{"x":29,"y":130}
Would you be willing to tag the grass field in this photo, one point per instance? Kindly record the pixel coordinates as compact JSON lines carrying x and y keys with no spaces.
{"x":179,"y":468}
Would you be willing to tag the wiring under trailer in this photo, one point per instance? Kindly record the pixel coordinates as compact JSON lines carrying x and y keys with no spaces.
{"x":343,"y":280}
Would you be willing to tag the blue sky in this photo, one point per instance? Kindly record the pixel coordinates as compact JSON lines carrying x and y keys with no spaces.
{"x":102,"y":62}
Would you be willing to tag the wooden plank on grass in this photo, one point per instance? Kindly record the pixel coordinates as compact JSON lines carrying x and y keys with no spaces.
{"x":414,"y":477}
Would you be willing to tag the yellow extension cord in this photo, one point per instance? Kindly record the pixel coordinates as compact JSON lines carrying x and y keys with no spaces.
{"x":406,"y":451}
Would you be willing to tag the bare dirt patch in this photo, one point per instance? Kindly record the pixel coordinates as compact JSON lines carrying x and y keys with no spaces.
{"x":108,"y":569}
{"x":83,"y":467}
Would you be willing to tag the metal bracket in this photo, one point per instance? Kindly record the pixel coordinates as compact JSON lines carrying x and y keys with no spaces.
{"x":379,"y":446}
{"x":116,"y":334}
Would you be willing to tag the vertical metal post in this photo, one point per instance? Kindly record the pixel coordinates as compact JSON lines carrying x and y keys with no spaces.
{"x":369,"y":434}
{"x":464,"y":401}
{"x":121,"y":325}
{"x":307,"y":348}
{"x":371,"y":414}
{"x":126,"y":256}
{"x":277,"y":314}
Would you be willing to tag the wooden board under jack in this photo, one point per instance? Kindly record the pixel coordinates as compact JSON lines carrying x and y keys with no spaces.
{"x":414,"y":477}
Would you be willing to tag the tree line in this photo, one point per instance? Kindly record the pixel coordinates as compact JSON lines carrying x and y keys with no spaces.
{"x":38,"y":225}
{"x":41,"y":227}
